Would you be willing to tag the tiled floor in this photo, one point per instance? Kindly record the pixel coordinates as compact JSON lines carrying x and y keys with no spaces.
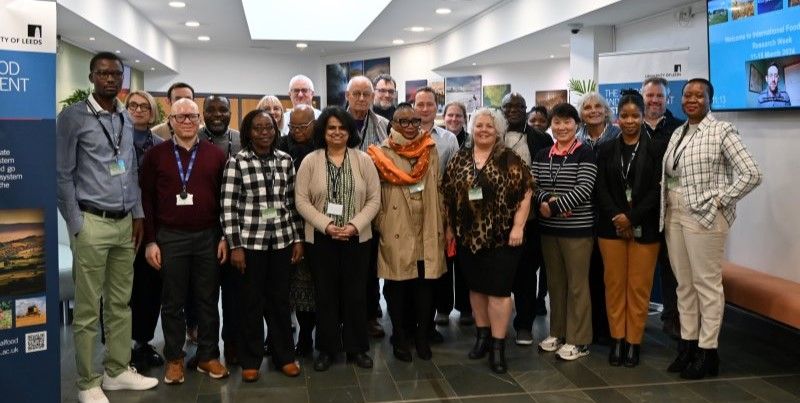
{"x":760,"y":362}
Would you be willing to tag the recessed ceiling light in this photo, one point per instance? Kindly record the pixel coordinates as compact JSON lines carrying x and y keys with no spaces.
{"x":117,"y":51}
{"x":177,"y":4}
{"x":417,"y":29}
{"x":91,"y":38}
{"x":136,"y":61}
{"x":398,"y":41}
{"x":552,"y":56}
{"x":443,"y":11}
{"x":152,"y":69}
{"x":193,"y":24}
{"x":203,"y":38}
{"x":301,"y":45}
{"x":474,"y":64}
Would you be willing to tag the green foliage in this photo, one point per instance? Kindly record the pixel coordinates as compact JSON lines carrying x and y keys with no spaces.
{"x":160,"y":114}
{"x":77,"y":96}
{"x":582,"y":87}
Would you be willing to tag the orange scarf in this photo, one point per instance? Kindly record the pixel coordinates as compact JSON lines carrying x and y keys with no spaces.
{"x":419,"y":149}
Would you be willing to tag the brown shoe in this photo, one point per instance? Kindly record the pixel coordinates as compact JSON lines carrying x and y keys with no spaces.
{"x":250,"y":375}
{"x":374,"y":329}
{"x":173,"y":374}
{"x":213,"y":368}
{"x":291,"y":369}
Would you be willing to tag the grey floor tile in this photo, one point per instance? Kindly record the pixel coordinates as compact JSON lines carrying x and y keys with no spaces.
{"x":409,"y":371}
{"x":765,"y":390}
{"x":338,"y":375}
{"x":425,"y":389}
{"x":606,"y":396}
{"x":514,"y":398}
{"x":378,"y":386}
{"x":578,"y":374}
{"x":549,"y":380}
{"x":721,"y":391}
{"x":349,"y":394}
{"x":661,"y":394}
{"x":642,"y":374}
{"x":468,"y":380}
{"x":561,"y":397}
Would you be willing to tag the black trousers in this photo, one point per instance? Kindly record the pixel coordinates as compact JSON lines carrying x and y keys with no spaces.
{"x":669,"y":285}
{"x":409,"y":302}
{"x":597,"y":290}
{"x":145,"y":299}
{"x":373,"y":286}
{"x":340,"y":275}
{"x":230,"y":303}
{"x":525,"y":281}
{"x":264,"y":285}
{"x":189,"y":262}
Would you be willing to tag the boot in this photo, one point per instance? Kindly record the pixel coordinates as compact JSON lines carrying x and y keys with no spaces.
{"x":497,"y":356}
{"x":686,"y":350}
{"x":632,"y":356}
{"x":481,"y":346}
{"x":705,"y":362}
{"x":617,"y":352}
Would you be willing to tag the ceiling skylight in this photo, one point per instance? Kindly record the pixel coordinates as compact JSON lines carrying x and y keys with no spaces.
{"x":310,"y":20}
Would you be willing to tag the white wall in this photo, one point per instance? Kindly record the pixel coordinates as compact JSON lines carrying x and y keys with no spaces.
{"x":766,"y":234}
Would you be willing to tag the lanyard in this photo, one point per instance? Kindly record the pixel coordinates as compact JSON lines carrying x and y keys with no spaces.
{"x":185,"y":176}
{"x":148,"y":142}
{"x":336,"y":175}
{"x":677,"y":155}
{"x":476,"y":173}
{"x":363,"y":131}
{"x":626,"y":168}
{"x":554,"y":179}
{"x":211,"y":139}
{"x":114,"y":146}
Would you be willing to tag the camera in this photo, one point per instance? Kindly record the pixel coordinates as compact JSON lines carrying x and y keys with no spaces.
{"x":575,"y":28}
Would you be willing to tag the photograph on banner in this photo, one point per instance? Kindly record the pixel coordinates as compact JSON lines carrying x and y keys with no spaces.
{"x":6,"y":315}
{"x":438,"y":90}
{"x":336,"y":76}
{"x":493,"y":94}
{"x":464,"y":89}
{"x":774,"y":82}
{"x":355,"y":68}
{"x":411,"y":88}
{"x":30,"y":311}
{"x":375,"y":67}
{"x":550,"y":98}
{"x":22,"y":263}
{"x":613,"y":92}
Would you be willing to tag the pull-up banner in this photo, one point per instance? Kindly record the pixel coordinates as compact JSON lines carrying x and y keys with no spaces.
{"x":29,"y":359}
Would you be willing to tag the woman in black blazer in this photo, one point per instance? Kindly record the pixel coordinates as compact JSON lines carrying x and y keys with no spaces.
{"x":628,"y":175}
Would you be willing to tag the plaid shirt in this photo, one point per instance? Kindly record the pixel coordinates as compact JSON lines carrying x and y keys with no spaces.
{"x":707,"y":168}
{"x":252,"y":185}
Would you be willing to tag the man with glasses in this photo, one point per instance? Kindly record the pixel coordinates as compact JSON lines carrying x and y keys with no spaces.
{"x":98,"y":196}
{"x":772,"y":97}
{"x":385,"y":89}
{"x":181,"y":181}
{"x":175,"y":92}
{"x":301,"y":92}
{"x":526,"y":141}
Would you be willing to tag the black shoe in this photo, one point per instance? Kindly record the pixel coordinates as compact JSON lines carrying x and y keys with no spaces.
{"x":435,"y":337}
{"x":361,"y":359}
{"x":139,"y":361}
{"x":423,"y":348}
{"x":497,"y":356}
{"x":686,"y":350}
{"x":481,"y":346}
{"x":617,"y":352}
{"x":705,"y":362}
{"x":303,"y":349}
{"x":632,"y":356}
{"x":323,"y":362}
{"x":402,"y":354}
{"x":375,"y":330}
{"x":154,"y":359}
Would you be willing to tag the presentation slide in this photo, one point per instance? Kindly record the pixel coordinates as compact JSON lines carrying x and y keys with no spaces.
{"x":754,"y":53}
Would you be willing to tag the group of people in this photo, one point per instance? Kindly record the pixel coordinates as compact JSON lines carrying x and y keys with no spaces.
{"x":303,"y":211}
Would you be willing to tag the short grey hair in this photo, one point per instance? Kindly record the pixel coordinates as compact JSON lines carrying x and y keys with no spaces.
{"x":360,"y":78}
{"x":595,"y":96}
{"x":500,"y":124}
{"x":301,"y":77}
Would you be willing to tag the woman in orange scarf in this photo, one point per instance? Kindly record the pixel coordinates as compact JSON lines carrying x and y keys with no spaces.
{"x":411,"y":249}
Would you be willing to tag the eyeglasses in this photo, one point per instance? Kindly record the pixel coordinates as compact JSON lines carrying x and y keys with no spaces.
{"x":107,"y":74}
{"x":360,"y":94}
{"x":386,"y":91}
{"x":265,"y":128}
{"x":300,"y":90}
{"x":416,"y":122}
{"x":133,"y":106}
{"x":181,"y":117}
{"x":300,"y":127}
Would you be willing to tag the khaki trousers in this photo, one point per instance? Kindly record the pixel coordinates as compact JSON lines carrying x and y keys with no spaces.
{"x":567,"y":263}
{"x":102,"y":267}
{"x":695,"y":253}
{"x":629,"y":268}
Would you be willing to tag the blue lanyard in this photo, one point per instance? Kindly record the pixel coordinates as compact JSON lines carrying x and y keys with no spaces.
{"x":184,"y":176}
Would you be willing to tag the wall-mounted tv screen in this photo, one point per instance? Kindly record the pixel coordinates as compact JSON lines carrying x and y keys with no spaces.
{"x":754,"y":54}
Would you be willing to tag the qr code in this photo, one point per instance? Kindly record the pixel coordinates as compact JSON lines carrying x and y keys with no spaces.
{"x":35,"y":342}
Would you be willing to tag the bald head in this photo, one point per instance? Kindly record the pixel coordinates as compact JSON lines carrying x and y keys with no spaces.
{"x":301,"y":123}
{"x":184,"y":105}
{"x":514,"y":109}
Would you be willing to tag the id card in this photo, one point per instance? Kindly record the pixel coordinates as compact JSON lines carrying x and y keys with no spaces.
{"x":637,"y":232}
{"x":416,"y":188}
{"x":269,"y":213}
{"x":188,"y":201}
{"x":335,"y":209}
{"x":673,"y":182}
{"x":476,"y":194}
{"x":117,"y":168}
{"x":629,"y":195}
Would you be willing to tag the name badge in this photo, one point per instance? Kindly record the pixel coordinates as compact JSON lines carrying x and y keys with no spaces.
{"x":184,"y":201}
{"x":117,"y":168}
{"x":269,"y":213}
{"x":637,"y":232}
{"x":476,"y":194}
{"x":673,"y":182}
{"x":629,"y":195}
{"x":416,"y":188}
{"x":335,"y":209}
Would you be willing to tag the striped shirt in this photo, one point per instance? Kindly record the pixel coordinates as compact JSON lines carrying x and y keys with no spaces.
{"x":340,"y":191}
{"x":571,"y":180}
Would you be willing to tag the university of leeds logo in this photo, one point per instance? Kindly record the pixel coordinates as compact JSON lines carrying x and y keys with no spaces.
{"x":677,"y":68}
{"x":34,"y":31}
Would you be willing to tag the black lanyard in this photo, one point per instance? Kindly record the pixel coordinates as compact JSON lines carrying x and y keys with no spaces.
{"x":554,"y":179}
{"x":211,"y":139}
{"x":476,"y":173}
{"x":626,"y":168}
{"x":677,"y":157}
{"x":185,"y":176}
{"x":114,"y":146}
{"x":363,"y":132}
{"x":336,"y":175}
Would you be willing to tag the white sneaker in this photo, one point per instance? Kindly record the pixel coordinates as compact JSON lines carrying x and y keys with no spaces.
{"x":128,"y":380}
{"x":551,"y":344}
{"x":571,"y":352}
{"x":93,"y":395}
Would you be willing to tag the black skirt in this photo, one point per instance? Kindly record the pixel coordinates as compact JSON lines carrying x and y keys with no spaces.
{"x":490,"y":271}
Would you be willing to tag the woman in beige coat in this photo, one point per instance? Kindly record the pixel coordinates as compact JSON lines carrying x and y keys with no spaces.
{"x":411,"y":248}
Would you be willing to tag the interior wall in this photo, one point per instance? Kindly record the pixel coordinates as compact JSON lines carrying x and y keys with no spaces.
{"x":766,"y":232}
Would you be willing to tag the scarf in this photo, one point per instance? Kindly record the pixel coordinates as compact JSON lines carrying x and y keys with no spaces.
{"x":419,"y":149}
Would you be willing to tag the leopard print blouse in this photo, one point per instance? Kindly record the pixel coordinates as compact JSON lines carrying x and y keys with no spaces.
{"x":504,"y":179}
